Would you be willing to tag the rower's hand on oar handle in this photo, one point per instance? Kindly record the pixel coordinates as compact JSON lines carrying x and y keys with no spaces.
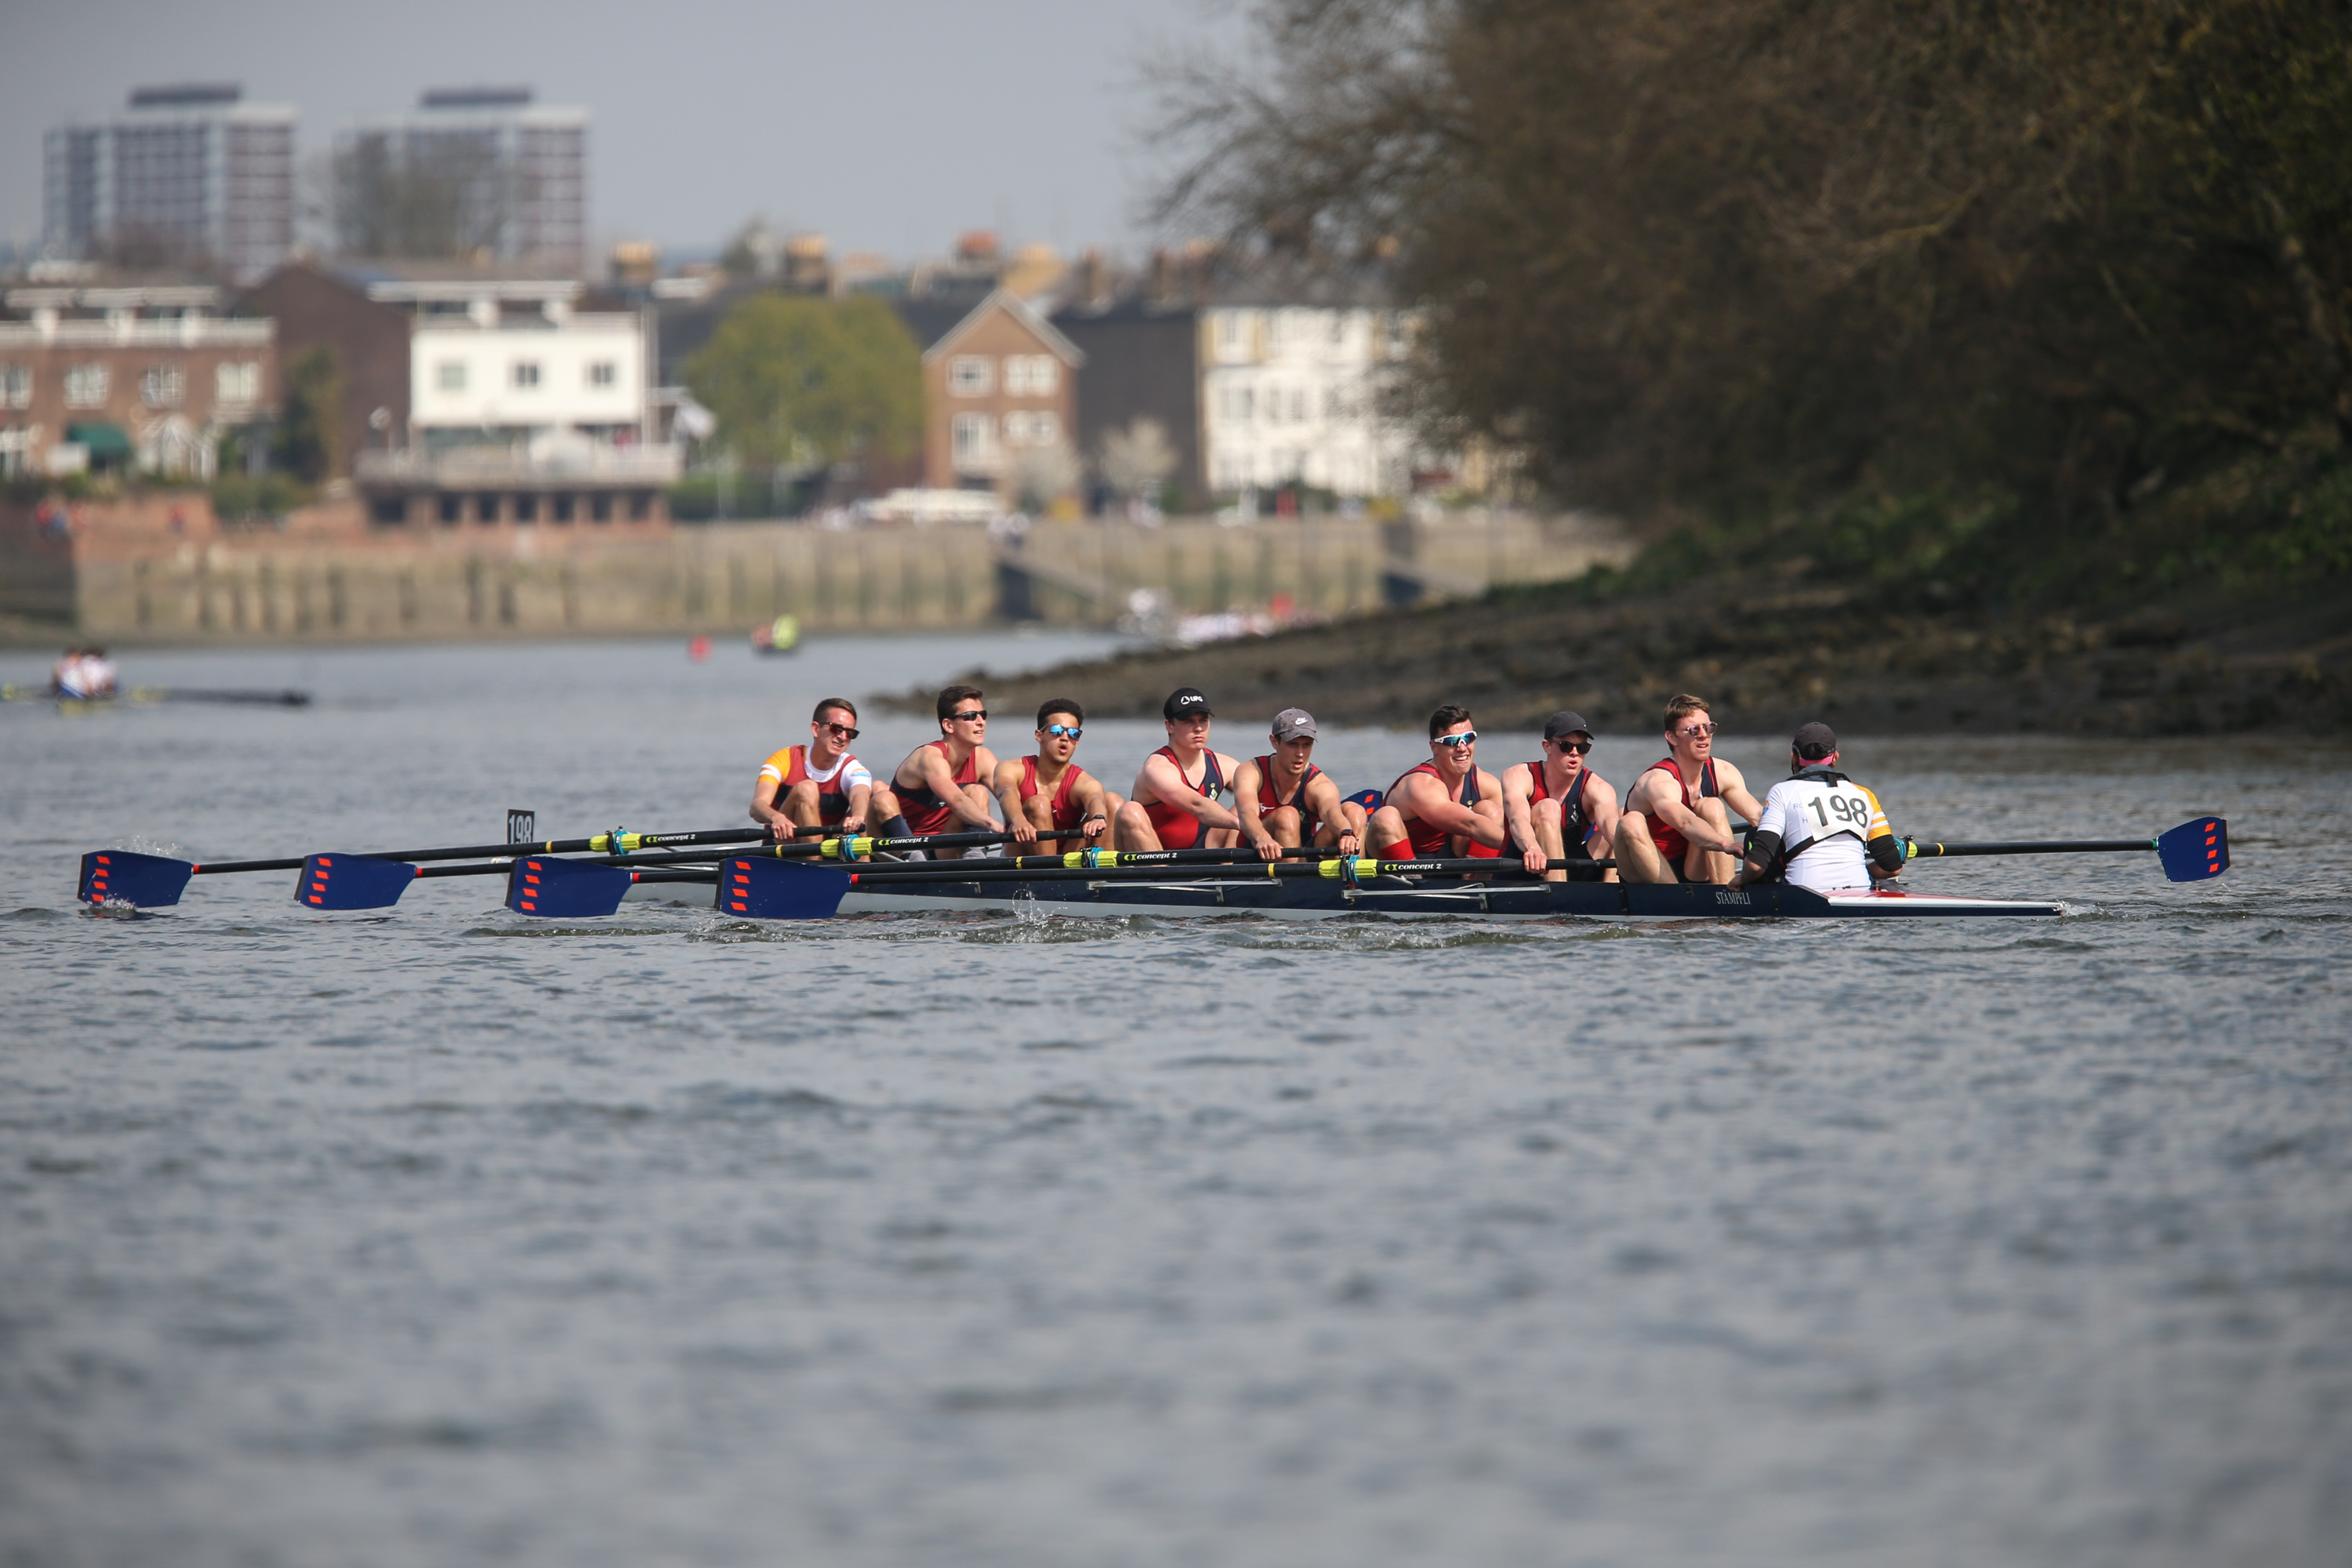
{"x":1021,"y":830}
{"x":1267,"y":848}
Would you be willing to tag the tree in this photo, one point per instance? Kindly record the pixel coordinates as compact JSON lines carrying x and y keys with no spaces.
{"x":428,"y":197}
{"x":1138,"y":459}
{"x":1733,"y":256}
{"x":309,"y":444}
{"x":812,"y":381}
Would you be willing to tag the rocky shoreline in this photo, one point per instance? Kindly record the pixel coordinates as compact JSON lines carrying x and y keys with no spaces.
{"x":1767,"y":658}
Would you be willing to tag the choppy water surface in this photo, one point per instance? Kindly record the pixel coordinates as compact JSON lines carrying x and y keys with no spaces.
{"x":445,"y":1237}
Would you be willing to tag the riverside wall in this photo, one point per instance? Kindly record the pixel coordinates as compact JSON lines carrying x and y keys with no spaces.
{"x":163,"y":570}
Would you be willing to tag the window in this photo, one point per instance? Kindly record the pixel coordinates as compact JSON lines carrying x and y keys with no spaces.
{"x":1297,"y":405}
{"x":1030,"y":375}
{"x":85,"y":385}
{"x":599,"y":373}
{"x":1247,"y":399}
{"x":1016,"y":424}
{"x":526,"y":373}
{"x":971,"y":438}
{"x":16,"y":386}
{"x":970,"y":375}
{"x":1229,"y":333}
{"x":1044,"y":429}
{"x":162,"y":386}
{"x":237,"y":381}
{"x":449,"y":375}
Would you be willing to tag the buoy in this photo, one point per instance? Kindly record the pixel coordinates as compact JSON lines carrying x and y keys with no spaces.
{"x":699,"y":649}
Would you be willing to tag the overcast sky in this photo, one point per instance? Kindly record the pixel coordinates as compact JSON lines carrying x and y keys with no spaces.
{"x":888,"y":125}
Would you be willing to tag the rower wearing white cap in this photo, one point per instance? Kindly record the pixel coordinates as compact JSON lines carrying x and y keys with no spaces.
{"x":1286,"y":802}
{"x":1559,"y":809}
{"x":1818,"y":828}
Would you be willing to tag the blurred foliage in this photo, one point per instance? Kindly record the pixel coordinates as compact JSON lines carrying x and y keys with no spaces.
{"x":239,"y":498}
{"x":2068,"y":278}
{"x":807,"y":382}
{"x":308,"y":439}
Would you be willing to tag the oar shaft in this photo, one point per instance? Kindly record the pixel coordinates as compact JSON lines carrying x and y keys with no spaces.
{"x":896,"y":875}
{"x":600,"y":841}
{"x":2031,"y":846}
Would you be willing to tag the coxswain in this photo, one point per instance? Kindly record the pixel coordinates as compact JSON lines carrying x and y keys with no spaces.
{"x":1818,"y":828}
{"x":1174,"y":803}
{"x":1047,"y":795}
{"x":940,"y":788}
{"x":1556,"y":808}
{"x":1448,"y":805}
{"x":819,"y":785}
{"x":1677,"y":827}
{"x":1285,"y":801}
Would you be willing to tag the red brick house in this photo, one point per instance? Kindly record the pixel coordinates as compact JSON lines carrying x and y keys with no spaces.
{"x":1000,"y":393}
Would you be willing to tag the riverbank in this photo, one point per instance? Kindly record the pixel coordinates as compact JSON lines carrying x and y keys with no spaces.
{"x":1768,"y":657}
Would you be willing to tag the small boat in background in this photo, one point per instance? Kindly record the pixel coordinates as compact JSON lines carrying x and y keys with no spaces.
{"x":782,"y":635}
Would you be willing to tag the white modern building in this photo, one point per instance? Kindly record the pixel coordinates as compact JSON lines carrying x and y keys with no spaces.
{"x":513,"y":390}
{"x":188,"y":175}
{"x":1293,"y":393}
{"x":517,"y":172}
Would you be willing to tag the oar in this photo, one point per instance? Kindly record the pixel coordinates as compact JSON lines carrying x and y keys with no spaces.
{"x":156,"y":881}
{"x":2192,"y":852}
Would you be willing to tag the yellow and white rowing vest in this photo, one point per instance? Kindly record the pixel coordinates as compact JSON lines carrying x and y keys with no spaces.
{"x":1824,"y":822}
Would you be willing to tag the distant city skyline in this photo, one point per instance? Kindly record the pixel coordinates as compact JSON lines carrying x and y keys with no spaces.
{"x":889,"y":127}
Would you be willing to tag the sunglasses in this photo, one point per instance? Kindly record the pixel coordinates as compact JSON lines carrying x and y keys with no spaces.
{"x":1466,"y":737}
{"x":846,"y":732}
{"x":1582,"y":747}
{"x":1058,"y":730}
{"x":1696,"y":731}
{"x":968,"y":718}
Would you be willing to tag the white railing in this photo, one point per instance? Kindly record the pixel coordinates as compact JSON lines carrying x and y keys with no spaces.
{"x":194,"y":333}
{"x":468,"y":468}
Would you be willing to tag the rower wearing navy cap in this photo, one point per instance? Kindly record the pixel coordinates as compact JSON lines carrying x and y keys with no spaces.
{"x":1285,"y":801}
{"x":1818,"y":828}
{"x":1556,"y":808}
{"x":1174,"y":802}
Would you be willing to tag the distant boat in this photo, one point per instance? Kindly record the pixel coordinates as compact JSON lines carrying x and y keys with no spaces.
{"x":782,"y":635}
{"x":145,"y":694}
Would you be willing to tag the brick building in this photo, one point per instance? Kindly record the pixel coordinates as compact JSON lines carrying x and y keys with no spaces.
{"x":140,"y":376}
{"x":1000,"y":393}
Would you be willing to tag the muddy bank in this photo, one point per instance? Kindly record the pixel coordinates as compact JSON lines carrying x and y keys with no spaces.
{"x":1767,"y":659}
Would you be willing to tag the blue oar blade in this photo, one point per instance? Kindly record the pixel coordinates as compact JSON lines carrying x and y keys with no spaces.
{"x":353,"y":882}
{"x":564,"y":890}
{"x":2195,"y":850}
{"x":125,"y":877}
{"x":1370,"y":799}
{"x":767,"y":889}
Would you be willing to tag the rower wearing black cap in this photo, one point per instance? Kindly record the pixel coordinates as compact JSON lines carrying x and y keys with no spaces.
{"x":1285,"y":801}
{"x":1174,"y":802}
{"x":1818,"y":828}
{"x":1556,"y":808}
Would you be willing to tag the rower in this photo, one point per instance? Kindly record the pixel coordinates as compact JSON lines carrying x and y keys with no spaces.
{"x":1676,"y":827}
{"x":98,"y":676}
{"x":65,"y":675}
{"x":1556,"y":808}
{"x":1286,"y":802}
{"x":819,"y":785}
{"x":938,"y":788}
{"x":1049,"y":796}
{"x":1174,"y":803}
{"x":1446,"y":805}
{"x":1819,"y":829}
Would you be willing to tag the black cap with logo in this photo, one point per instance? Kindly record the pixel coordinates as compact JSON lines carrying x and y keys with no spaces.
{"x":1814,"y":742}
{"x":1184,"y":702}
{"x":1563,"y":724}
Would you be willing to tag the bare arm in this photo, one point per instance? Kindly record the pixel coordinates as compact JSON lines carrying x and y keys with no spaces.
{"x":764,"y":795}
{"x":1600,"y":809}
{"x":1324,"y":799}
{"x":1518,"y":814}
{"x":1430,"y":803}
{"x":861,"y":798}
{"x":941,"y":780}
{"x":1007,"y":782}
{"x":1654,"y":793}
{"x":1247,"y":780}
{"x":1733,"y":788}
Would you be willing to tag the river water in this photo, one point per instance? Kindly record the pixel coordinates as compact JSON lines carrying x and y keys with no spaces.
{"x":440,"y":1236}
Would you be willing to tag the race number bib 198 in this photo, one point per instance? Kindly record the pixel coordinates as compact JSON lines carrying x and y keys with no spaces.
{"x":1828,"y":809}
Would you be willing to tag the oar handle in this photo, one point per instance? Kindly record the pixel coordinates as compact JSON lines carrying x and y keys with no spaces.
{"x":1916,"y":850}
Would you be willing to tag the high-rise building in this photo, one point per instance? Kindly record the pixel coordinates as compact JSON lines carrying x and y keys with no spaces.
{"x":473,"y":170}
{"x":188,"y":175}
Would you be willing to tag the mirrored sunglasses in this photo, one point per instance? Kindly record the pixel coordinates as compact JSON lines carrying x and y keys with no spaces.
{"x":1060,"y":731}
{"x":1466,"y":737}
